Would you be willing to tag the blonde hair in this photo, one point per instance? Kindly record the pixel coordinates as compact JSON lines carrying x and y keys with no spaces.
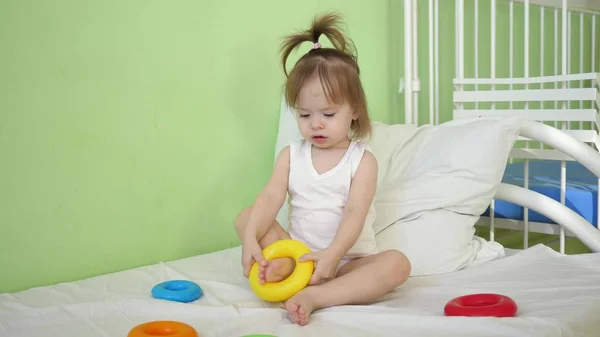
{"x":336,"y":68}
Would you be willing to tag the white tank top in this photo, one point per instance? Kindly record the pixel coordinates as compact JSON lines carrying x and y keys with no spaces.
{"x":317,"y":200}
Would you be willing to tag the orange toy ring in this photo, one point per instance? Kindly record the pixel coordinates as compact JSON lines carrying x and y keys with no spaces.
{"x":163,"y":328}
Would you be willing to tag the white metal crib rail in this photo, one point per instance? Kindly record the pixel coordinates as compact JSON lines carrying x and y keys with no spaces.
{"x":566,"y":97}
{"x":585,"y":116}
{"x":469,"y":99}
{"x":562,"y":64}
{"x":558,"y":212}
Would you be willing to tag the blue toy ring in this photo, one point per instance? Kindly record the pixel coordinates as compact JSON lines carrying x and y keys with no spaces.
{"x":177,"y":290}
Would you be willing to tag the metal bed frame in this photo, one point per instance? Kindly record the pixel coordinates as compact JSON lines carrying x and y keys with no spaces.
{"x":566,"y":101}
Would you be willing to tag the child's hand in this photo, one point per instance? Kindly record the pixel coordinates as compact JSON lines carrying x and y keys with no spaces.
{"x":251,"y":252}
{"x":325,"y":265}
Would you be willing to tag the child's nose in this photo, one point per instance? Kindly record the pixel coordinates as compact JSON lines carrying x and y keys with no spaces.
{"x":316,"y":124}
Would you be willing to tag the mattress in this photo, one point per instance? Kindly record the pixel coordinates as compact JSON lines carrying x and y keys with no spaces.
{"x":544,"y":177}
{"x":557,"y":296}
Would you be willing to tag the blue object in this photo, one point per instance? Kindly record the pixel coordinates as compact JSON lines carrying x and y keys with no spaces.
{"x":177,"y":290}
{"x":544,"y":177}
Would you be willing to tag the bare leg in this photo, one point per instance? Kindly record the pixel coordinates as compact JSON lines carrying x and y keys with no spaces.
{"x":277,"y":269}
{"x":361,"y":281}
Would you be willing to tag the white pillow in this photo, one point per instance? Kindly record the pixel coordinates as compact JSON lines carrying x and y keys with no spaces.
{"x":456,"y":165}
{"x":439,"y":241}
{"x":436,"y":181}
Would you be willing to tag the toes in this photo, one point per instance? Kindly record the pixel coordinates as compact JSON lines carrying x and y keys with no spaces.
{"x":302,"y":317}
{"x":292,"y":309}
{"x":297,"y":313}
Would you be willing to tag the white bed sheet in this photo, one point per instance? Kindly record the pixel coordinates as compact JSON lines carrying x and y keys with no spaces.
{"x":557,"y":296}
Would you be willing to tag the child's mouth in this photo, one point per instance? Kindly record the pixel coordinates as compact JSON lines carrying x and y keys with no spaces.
{"x":319,"y":139}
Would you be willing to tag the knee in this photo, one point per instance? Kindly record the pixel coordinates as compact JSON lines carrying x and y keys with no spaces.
{"x":242,"y":218}
{"x":399,"y":265}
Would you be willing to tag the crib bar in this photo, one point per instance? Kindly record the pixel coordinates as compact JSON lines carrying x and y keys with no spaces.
{"x":493,"y":45}
{"x":563,"y":192}
{"x":569,"y":48}
{"x":526,"y":47}
{"x":517,"y":225}
{"x":563,"y":166}
{"x":564,"y":38}
{"x":492,"y":75}
{"x":526,"y":56}
{"x":584,"y":136}
{"x":461,"y":39}
{"x":537,"y":154}
{"x":492,"y":220}
{"x":542,"y":53}
{"x":431,"y":52}
{"x":581,"y":60}
{"x":476,"y":31}
{"x":542,"y":115}
{"x":593,"y":60}
{"x":511,"y":46}
{"x":556,"y":55}
{"x":529,"y":80}
{"x":580,"y":6}
{"x":572,"y":94}
{"x":408,"y":61}
{"x":594,"y":50}
{"x":564,"y":46}
{"x":437,"y":61}
{"x":456,"y":42}
{"x":416,"y":83}
{"x":525,"y":209}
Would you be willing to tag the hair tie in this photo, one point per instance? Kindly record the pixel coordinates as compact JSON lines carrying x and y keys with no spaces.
{"x":317,"y":45}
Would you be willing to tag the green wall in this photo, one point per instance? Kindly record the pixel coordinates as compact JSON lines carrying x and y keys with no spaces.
{"x":132,"y":132}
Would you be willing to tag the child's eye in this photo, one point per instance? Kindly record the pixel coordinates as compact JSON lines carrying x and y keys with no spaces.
{"x":329,"y":115}
{"x":303,"y":116}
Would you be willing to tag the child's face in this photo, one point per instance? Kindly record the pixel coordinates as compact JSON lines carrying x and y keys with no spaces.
{"x":322,"y":123}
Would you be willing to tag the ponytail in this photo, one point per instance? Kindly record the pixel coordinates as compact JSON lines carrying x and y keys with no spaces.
{"x":328,"y":25}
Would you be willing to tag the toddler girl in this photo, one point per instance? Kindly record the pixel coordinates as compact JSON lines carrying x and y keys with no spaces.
{"x":331,"y":178}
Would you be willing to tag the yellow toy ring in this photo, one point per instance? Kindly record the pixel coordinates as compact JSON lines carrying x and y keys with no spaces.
{"x":281,"y":291}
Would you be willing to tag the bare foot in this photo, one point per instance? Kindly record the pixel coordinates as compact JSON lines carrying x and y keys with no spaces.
{"x":300,"y":306}
{"x":276,"y":270}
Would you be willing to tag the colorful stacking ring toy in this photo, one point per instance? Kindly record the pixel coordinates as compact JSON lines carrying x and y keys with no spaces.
{"x":492,"y":305}
{"x":281,"y":291}
{"x":177,"y":290}
{"x":163,"y":328}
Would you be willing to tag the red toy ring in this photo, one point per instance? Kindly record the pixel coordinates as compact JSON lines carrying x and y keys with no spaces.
{"x":493,"y":305}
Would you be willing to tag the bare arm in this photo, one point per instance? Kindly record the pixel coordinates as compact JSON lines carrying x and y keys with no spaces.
{"x":362,"y":193}
{"x":270,"y":199}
